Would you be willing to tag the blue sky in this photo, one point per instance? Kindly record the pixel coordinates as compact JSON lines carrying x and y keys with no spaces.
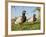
{"x":17,"y":11}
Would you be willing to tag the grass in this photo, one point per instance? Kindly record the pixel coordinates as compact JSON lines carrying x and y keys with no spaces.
{"x":26,"y":26}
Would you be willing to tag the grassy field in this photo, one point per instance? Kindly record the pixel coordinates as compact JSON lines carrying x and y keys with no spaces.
{"x":26,"y":26}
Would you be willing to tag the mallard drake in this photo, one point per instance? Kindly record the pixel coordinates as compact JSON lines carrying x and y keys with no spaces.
{"x":32,"y":19}
{"x":21,"y":19}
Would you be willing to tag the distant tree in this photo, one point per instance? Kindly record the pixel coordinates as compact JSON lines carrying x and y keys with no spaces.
{"x":38,"y":9}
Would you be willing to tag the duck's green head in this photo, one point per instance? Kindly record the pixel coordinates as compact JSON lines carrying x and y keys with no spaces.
{"x":24,"y":12}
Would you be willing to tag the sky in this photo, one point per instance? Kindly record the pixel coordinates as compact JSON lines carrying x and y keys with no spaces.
{"x":17,"y":11}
